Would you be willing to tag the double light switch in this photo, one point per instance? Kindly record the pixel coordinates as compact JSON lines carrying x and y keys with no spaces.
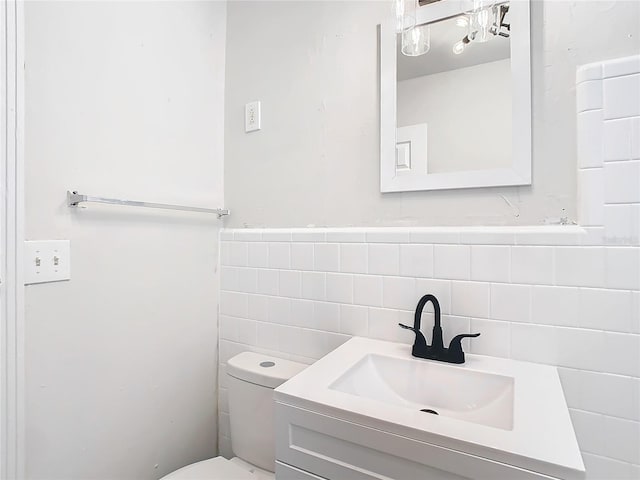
{"x":47,"y":261}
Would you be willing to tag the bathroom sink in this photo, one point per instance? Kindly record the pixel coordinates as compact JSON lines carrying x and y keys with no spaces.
{"x":501,"y":410}
{"x":431,"y":387}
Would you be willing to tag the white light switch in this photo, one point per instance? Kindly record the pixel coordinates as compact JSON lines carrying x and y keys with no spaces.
{"x":47,"y":261}
{"x":403,"y":156}
{"x":252,"y":117}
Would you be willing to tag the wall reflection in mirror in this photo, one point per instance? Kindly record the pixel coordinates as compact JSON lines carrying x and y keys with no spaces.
{"x":454,"y":88}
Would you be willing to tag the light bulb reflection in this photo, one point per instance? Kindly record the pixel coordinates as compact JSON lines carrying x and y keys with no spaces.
{"x":458,"y":47}
{"x":416,"y":41}
{"x":462,"y":22}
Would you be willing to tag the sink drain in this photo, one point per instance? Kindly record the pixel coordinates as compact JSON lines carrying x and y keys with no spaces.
{"x":428,"y":410}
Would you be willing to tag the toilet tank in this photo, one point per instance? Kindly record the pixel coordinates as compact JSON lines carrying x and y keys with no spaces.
{"x":252,"y":377}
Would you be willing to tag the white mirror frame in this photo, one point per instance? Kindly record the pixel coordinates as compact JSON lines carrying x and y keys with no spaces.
{"x":520,"y":171}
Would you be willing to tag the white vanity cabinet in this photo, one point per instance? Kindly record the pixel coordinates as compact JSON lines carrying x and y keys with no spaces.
{"x":313,"y":446}
{"x":369,"y":410}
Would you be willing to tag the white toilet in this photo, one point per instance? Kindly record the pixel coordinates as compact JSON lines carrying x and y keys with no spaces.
{"x":251,"y":380}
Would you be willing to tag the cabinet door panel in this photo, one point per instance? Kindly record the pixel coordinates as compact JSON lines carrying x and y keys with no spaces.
{"x":337,"y":450}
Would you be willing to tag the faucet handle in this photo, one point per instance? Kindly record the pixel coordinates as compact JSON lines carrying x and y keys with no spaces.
{"x":455,"y":347}
{"x":420,"y":346}
{"x":407,"y":327}
{"x":458,"y":338}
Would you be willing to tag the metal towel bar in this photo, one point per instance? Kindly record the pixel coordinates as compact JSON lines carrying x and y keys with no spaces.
{"x":74,"y":199}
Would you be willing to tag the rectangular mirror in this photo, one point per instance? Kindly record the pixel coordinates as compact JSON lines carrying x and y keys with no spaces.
{"x":459,"y":115}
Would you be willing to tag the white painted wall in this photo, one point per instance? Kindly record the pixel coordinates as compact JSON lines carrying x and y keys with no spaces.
{"x":468,"y":116}
{"x":123,"y":99}
{"x":315,"y":69}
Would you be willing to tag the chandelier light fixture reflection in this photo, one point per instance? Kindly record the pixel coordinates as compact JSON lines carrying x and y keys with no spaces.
{"x":482,"y":19}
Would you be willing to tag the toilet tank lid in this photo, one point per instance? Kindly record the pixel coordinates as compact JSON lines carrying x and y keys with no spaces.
{"x":262,"y":369}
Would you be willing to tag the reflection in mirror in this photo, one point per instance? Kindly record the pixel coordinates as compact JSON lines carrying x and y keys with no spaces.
{"x":457,"y":114}
{"x":458,"y":95}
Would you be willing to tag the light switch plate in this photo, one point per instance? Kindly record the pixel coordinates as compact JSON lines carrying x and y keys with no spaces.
{"x":47,"y":261}
{"x":252,"y":117}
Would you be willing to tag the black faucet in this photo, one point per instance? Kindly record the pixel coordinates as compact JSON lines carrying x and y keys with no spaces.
{"x":437,"y":350}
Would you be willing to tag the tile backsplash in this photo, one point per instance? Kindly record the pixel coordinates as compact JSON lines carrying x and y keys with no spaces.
{"x":567,"y":296}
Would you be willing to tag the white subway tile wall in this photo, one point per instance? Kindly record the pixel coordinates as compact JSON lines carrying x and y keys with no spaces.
{"x":566,"y":296}
{"x":573,"y":306}
{"x":609,"y":148}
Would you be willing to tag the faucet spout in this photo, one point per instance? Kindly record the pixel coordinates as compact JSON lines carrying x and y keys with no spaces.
{"x":437,"y":345}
